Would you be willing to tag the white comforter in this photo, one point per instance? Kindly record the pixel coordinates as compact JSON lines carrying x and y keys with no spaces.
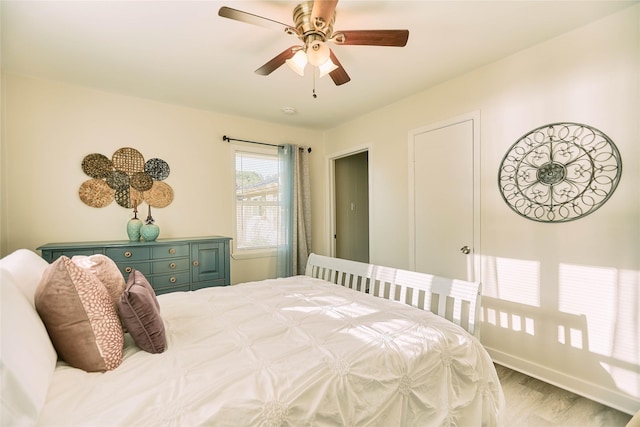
{"x":288,"y":352}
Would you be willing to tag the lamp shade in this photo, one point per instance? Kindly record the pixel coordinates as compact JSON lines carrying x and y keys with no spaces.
{"x":327,"y":67}
{"x":318,"y":53}
{"x":298,"y":62}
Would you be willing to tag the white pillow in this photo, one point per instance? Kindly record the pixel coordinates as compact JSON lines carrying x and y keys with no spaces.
{"x":27,"y":357}
{"x":26,"y":267}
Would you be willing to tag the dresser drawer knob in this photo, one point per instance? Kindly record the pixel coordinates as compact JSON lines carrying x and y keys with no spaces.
{"x":172,"y":265}
{"x":172,"y":251}
{"x":128,"y":269}
{"x":172,"y":280}
{"x":196,"y":263}
{"x":127,"y":254}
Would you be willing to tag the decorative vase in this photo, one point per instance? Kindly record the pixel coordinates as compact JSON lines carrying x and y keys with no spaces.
{"x":149,"y":231}
{"x":133,"y":227}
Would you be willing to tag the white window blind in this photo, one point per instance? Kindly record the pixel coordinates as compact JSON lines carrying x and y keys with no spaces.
{"x":256,"y":200}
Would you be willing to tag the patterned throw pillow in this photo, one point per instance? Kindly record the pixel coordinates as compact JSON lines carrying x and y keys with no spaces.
{"x":105,"y":269}
{"x":140,"y":314}
{"x":80,"y":317}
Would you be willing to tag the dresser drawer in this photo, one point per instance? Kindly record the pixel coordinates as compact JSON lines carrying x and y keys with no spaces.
{"x":170,"y":251}
{"x":143,"y":267}
{"x":183,"y":288}
{"x":54,"y":255}
{"x":170,"y":265}
{"x":161,"y":281}
{"x":130,"y":253}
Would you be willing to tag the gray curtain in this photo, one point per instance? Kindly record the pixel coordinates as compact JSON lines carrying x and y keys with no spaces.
{"x":294,"y":228}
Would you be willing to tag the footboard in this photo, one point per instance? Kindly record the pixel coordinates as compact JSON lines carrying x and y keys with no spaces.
{"x":455,"y":300}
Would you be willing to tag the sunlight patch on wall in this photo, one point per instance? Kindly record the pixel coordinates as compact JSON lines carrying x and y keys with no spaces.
{"x":491,"y":316}
{"x":571,"y":336}
{"x":624,"y":366}
{"x":626,"y":339}
{"x":590,"y":291}
{"x":509,"y":315}
{"x":512,"y":280}
{"x":610,"y":300}
{"x":627,"y":380}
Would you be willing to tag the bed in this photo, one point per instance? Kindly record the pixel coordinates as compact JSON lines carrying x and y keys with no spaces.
{"x":346,"y":344}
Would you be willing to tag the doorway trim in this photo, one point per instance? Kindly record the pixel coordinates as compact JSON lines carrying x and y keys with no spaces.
{"x":331,"y":208}
{"x":474,"y":272}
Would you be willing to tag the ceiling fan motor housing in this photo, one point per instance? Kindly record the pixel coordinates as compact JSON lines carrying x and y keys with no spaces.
{"x":306,"y":26}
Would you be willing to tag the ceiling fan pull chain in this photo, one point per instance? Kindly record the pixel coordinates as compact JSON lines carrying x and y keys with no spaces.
{"x":314,"y":83}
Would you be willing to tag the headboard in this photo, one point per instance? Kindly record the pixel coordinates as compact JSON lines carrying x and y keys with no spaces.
{"x":455,"y":300}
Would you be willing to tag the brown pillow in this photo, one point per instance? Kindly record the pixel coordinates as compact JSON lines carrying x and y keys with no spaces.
{"x":140,"y":314}
{"x":80,"y":317}
{"x":105,"y":269}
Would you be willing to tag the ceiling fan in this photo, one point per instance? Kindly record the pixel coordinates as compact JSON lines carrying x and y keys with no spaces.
{"x":313,"y":26}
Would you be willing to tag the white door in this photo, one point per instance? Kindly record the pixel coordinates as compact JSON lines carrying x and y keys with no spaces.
{"x":444,"y":198}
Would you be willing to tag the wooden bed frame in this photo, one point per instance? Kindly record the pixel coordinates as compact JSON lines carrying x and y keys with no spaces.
{"x":455,"y":300}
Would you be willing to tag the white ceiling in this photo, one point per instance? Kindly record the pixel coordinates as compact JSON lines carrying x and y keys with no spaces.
{"x":182,"y":52}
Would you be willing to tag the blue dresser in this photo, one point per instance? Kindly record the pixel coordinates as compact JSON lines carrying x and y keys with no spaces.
{"x":169,"y":264}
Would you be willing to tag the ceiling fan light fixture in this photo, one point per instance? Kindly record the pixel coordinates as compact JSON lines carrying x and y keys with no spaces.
{"x":327,"y":67}
{"x":318,"y":53}
{"x":298,"y":62}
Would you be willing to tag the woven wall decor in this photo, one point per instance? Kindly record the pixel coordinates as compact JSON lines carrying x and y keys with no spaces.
{"x":141,"y":181}
{"x":158,"y":169}
{"x":128,"y":160}
{"x":160,"y":195}
{"x":96,"y":193}
{"x":125,"y":178}
{"x":117,"y":180}
{"x":123,"y":197}
{"x":128,"y":197}
{"x":559,"y":172}
{"x":135,"y":197}
{"x":97,"y":165}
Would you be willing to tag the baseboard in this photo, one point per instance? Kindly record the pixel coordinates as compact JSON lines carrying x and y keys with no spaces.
{"x":617,"y":400}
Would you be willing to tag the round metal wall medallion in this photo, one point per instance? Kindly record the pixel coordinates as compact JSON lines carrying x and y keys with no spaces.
{"x":559,"y":172}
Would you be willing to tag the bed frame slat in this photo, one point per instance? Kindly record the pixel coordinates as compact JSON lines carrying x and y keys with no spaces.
{"x":455,"y":300}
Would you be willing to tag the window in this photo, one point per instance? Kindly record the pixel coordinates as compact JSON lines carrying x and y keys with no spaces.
{"x":256,"y":200}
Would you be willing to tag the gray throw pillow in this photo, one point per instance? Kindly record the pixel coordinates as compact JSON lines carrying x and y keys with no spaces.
{"x":140,"y":314}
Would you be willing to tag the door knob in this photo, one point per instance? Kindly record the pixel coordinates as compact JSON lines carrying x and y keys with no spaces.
{"x":465,"y":250}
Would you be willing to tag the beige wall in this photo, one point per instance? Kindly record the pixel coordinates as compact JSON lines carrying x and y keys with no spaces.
{"x":586,"y":272}
{"x":49,"y":128}
{"x":582,"y":275}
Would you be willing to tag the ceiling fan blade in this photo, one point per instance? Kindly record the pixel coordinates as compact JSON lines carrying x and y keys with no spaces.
{"x":323,"y":9}
{"x":339,"y":75}
{"x":250,"y":18}
{"x":396,"y":38}
{"x":277,"y":61}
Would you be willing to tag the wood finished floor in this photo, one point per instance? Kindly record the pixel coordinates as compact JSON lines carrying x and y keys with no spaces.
{"x":533,"y":403}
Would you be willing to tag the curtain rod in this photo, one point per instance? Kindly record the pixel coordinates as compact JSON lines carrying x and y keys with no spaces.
{"x":229,"y":139}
